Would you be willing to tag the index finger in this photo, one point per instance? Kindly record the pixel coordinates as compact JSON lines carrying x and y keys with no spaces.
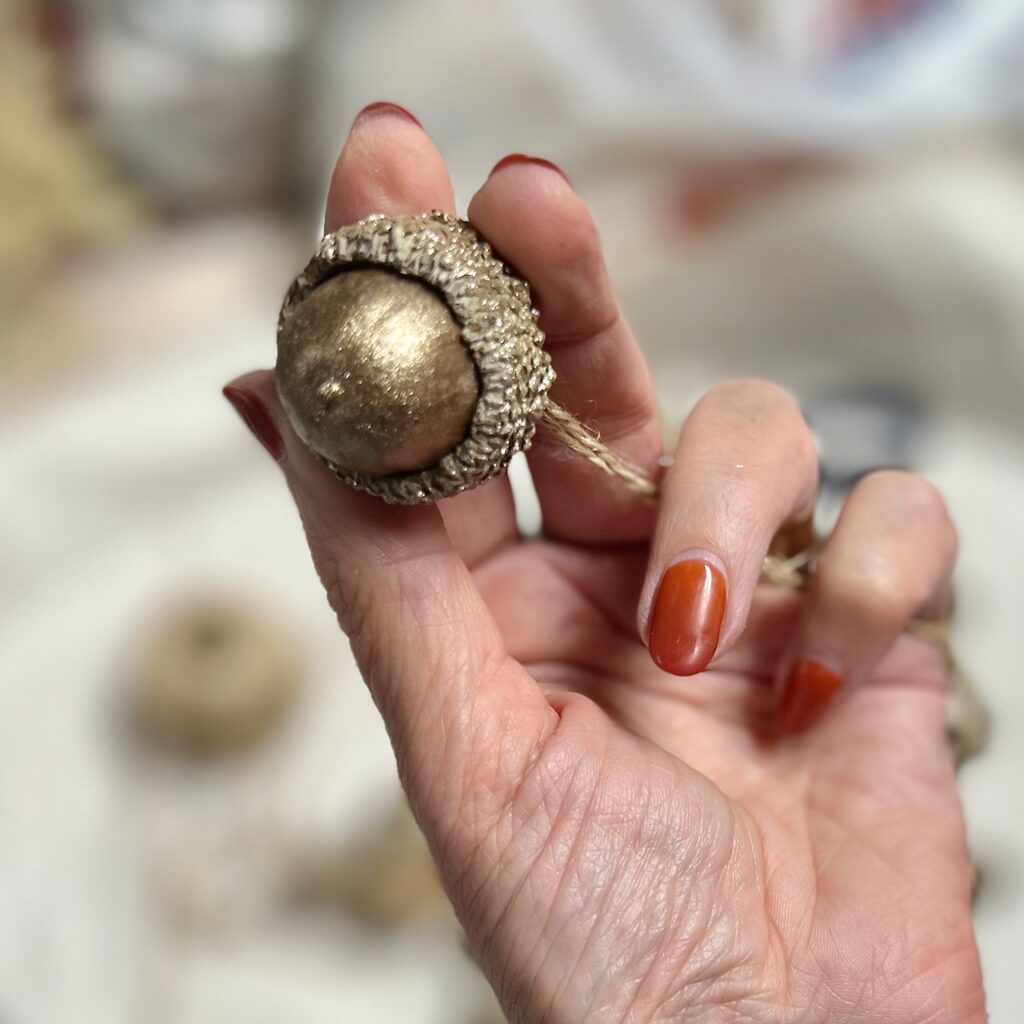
{"x":389,"y":165}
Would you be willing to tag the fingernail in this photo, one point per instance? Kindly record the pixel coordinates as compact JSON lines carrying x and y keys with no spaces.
{"x":808,"y":690}
{"x":385,"y":109}
{"x":687,"y":617}
{"x":522,"y":158}
{"x":257,"y":418}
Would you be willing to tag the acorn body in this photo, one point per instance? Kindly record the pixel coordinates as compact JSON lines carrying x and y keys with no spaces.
{"x":374,"y":374}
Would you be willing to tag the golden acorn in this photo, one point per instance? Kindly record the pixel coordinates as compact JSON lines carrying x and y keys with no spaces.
{"x":409,"y":358}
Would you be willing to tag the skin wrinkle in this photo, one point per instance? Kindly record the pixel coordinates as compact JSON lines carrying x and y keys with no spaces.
{"x":880,"y":970}
{"x":698,"y":928}
{"x":466,"y":898}
{"x":602,"y":911}
{"x":542,"y":938}
{"x":566,"y":340}
{"x":597,"y":913}
{"x":502,"y":782}
{"x":635,"y":868}
{"x":560,"y":891}
{"x":671,"y":988}
{"x":542,"y":764}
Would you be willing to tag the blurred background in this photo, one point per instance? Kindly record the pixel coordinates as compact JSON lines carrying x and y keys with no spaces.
{"x":199,"y":820}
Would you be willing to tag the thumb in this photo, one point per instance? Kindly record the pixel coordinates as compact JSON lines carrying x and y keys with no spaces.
{"x":464,"y":718}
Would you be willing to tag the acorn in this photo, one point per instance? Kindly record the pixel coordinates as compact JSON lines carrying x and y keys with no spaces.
{"x":212,"y":674}
{"x":409,"y":358}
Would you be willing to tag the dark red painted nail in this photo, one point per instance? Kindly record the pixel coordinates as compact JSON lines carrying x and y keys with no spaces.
{"x":257,"y":418}
{"x":687,"y":617}
{"x":385,"y":109}
{"x":807,"y":692}
{"x":522,"y":158}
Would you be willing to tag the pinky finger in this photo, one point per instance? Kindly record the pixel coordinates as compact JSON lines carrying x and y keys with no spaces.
{"x":890,"y":558}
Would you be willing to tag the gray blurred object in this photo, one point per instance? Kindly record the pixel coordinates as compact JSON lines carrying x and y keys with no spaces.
{"x":860,"y":430}
{"x":863,"y":429}
{"x":196,"y":98}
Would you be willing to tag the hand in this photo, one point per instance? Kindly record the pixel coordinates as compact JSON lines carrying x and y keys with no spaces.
{"x":767,"y":831}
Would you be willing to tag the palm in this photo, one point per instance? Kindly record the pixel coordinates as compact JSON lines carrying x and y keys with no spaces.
{"x":806,"y":864}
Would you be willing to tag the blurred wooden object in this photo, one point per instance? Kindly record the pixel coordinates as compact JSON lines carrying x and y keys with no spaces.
{"x":212,"y":676}
{"x":56,"y":192}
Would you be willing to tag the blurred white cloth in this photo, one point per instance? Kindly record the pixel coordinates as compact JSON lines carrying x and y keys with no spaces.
{"x":132,"y":892}
{"x":742,"y":75}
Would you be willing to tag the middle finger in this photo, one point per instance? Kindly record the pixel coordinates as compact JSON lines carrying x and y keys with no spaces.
{"x":746,"y":464}
{"x":533,"y":217}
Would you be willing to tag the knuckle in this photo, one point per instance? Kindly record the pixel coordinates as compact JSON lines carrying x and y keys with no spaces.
{"x":911,"y":499}
{"x":864,"y":593}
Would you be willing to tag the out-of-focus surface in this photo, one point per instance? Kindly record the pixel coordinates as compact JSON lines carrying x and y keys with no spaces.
{"x":854,"y":229}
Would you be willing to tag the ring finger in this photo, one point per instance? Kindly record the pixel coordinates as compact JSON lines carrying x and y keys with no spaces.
{"x":890,"y":558}
{"x":533,"y":217}
{"x":746,"y":464}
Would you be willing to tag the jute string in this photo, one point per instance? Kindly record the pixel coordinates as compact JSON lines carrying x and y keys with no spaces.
{"x":564,"y":427}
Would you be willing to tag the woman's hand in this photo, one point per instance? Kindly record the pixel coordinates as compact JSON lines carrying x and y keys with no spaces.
{"x":769,"y":833}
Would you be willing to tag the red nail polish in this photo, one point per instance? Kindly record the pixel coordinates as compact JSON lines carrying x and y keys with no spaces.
{"x":385,"y":109}
{"x":257,"y":418}
{"x":687,"y":617}
{"x":522,"y":158}
{"x":808,"y":690}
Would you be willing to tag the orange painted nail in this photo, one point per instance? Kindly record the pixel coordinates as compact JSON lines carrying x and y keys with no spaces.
{"x":808,"y":690}
{"x":522,"y":158}
{"x":687,"y":617}
{"x":257,"y":418}
{"x":385,"y":109}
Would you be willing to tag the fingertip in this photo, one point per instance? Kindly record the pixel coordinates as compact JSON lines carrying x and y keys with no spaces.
{"x":385,"y":108}
{"x":254,"y":396}
{"x":531,"y":191}
{"x":687,"y":615}
{"x":333,"y":513}
{"x":514,"y":159}
{"x":808,"y":690}
{"x":248,"y":396}
{"x":388,"y":165}
{"x":260,"y":382}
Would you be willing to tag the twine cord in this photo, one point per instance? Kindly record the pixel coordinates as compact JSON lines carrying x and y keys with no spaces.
{"x":791,"y":571}
{"x":568,"y":430}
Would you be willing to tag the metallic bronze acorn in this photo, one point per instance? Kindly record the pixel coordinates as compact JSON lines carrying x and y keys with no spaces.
{"x":374,"y":373}
{"x":409,"y":358}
